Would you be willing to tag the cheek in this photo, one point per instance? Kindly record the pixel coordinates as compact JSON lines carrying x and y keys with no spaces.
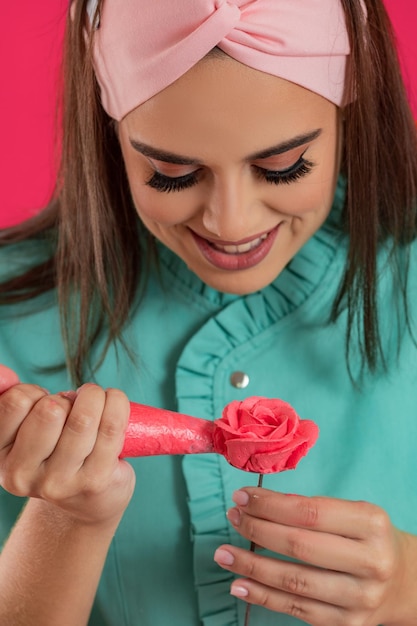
{"x":309,"y":197}
{"x":303,"y":200}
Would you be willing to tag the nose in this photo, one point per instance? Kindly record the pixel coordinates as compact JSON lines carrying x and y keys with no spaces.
{"x":231,"y":210}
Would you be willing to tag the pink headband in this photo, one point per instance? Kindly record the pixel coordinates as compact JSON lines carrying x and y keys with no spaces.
{"x":142,"y":46}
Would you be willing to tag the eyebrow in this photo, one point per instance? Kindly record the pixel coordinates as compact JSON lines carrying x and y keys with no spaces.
{"x":170,"y":157}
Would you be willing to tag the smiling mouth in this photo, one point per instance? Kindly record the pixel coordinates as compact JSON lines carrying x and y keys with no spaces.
{"x":236,"y":256}
{"x":239,"y":248}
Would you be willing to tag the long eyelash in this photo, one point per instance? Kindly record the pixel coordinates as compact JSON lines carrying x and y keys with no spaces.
{"x":301,"y":168}
{"x":167,"y":183}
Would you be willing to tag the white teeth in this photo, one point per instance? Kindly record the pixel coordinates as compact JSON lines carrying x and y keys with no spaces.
{"x":243,"y":247}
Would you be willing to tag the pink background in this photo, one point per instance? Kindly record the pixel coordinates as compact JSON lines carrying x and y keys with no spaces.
{"x":30,"y":44}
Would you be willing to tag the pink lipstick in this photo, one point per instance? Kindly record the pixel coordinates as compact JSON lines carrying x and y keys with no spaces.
{"x":232,"y":256}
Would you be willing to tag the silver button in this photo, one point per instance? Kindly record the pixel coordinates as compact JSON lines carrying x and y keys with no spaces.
{"x":240,"y":380}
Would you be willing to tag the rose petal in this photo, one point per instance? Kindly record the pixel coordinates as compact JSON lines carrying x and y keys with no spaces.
{"x":263,"y":435}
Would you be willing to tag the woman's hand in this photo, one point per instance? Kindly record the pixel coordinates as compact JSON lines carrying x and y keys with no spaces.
{"x":8,"y":378}
{"x":64,"y":449}
{"x":354,"y":567}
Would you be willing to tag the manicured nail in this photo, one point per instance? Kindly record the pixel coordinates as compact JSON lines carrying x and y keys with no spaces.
{"x":223,"y":557}
{"x":241,"y":498}
{"x":233,"y":515}
{"x":70,"y":395}
{"x":84,"y":385}
{"x":239,"y":591}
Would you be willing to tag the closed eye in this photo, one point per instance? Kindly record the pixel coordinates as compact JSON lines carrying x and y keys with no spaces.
{"x":298,"y":170}
{"x":164,"y":183}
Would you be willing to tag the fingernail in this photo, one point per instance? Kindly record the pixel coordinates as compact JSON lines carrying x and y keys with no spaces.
{"x":223,"y":557}
{"x":241,"y":498}
{"x":82,"y":387}
{"x":239,"y":591}
{"x":70,"y":395}
{"x":233,"y":515}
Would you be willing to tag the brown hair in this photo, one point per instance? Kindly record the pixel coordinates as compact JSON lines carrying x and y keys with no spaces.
{"x":98,"y":264}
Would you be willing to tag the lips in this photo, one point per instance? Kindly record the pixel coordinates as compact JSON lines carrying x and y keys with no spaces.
{"x":236,"y":256}
{"x":241,"y":247}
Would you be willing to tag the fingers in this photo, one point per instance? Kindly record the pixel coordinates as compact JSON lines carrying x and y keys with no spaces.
{"x":335,"y":534}
{"x":35,"y":441}
{"x":8,"y":378}
{"x":318,"y":513}
{"x":47,"y":439}
{"x":113,"y":424}
{"x":79,"y":433}
{"x":293,"y":578}
{"x":85,"y":460}
{"x":317,"y":548}
{"x":305,"y":609}
{"x":15,"y":404}
{"x":339,"y":575}
{"x":314,"y":595}
{"x":65,"y":449}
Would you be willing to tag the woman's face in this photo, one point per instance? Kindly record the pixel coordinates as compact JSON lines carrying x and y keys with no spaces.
{"x":233,"y":170}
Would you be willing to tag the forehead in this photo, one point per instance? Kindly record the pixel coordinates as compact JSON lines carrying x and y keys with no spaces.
{"x":221,"y":104}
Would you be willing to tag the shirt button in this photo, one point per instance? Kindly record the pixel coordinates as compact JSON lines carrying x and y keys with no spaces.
{"x":240,"y":380}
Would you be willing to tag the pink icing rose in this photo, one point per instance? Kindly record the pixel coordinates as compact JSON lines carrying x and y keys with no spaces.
{"x":263,"y":435}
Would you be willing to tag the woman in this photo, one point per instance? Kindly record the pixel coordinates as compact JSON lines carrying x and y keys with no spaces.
{"x":235,"y":216}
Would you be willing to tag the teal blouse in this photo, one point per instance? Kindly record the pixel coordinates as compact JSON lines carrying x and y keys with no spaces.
{"x":190,"y":339}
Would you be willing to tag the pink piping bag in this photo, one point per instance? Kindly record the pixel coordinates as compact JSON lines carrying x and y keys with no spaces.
{"x":153,"y":431}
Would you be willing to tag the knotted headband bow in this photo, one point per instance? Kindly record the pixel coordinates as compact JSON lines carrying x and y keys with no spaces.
{"x":142,"y":46}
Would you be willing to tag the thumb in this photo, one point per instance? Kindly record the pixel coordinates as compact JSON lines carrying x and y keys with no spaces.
{"x":8,"y":378}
